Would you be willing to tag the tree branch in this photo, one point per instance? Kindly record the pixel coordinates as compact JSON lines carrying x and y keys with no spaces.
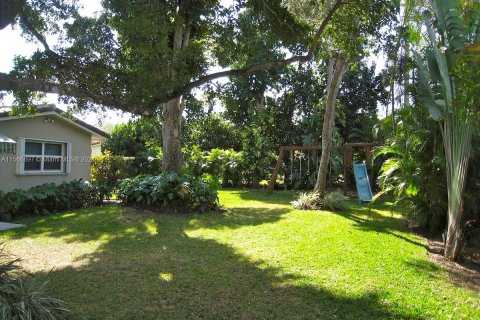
{"x":264,"y":65}
{"x":10,"y":83}
{"x":39,"y":37}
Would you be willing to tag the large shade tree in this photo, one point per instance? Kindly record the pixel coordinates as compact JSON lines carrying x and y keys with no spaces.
{"x":141,"y":56}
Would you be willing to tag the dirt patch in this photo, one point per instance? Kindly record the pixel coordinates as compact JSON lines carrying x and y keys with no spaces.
{"x":465,"y":273}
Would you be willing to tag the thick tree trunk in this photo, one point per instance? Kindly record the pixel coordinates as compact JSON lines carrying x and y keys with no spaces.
{"x":336,"y":69}
{"x":457,"y":139}
{"x":453,"y":241}
{"x":9,"y":9}
{"x":171,"y":136}
{"x":172,"y":110}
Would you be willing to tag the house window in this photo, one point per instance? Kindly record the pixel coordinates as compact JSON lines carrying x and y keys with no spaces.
{"x":43,"y":157}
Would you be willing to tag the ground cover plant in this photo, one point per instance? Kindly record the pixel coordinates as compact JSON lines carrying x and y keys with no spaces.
{"x":261,"y":259}
{"x":50,"y":198}
{"x":169,"y":192}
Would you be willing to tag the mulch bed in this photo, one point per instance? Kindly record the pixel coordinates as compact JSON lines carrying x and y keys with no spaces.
{"x":466,"y":272}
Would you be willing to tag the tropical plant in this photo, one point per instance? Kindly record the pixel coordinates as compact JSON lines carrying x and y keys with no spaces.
{"x":106,"y":170}
{"x":413,"y":168}
{"x":334,"y":201}
{"x":49,"y":198}
{"x":450,"y":32}
{"x":25,"y":297}
{"x":169,"y":191}
{"x":225,"y":165}
{"x":306,"y":201}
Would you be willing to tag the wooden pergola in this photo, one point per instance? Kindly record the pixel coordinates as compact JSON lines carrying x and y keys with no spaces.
{"x":347,"y":159}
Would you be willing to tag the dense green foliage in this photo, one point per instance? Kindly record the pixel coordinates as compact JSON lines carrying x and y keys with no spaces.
{"x":137,"y":138}
{"x":225,"y":165}
{"x":212,"y":132}
{"x":51,"y":198}
{"x":23,"y":297}
{"x":169,"y":192}
{"x":108,"y":169}
{"x":414,"y":167}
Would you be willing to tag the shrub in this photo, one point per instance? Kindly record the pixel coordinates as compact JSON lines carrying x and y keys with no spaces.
{"x":334,"y":201}
{"x":48,"y":198}
{"x":107,"y":170}
{"x":307,"y":201}
{"x":226,"y":165}
{"x":24,"y":297}
{"x":168,"y":191}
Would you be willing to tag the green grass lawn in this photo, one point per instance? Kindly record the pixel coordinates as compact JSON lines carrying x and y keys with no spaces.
{"x":260,"y":260}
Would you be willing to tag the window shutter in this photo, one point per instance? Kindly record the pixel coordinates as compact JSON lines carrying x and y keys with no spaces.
{"x":68,"y":164}
{"x":20,"y":156}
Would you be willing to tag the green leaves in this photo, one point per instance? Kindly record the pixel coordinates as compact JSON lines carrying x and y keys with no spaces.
{"x":425,"y":91}
{"x":168,"y":191}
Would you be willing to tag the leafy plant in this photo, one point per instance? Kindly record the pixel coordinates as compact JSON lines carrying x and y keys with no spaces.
{"x":451,"y":29}
{"x":306,"y":201}
{"x":107,"y":170}
{"x":49,"y":198}
{"x":169,"y":191}
{"x":225,"y":165}
{"x":334,"y":201}
{"x":23,"y":297}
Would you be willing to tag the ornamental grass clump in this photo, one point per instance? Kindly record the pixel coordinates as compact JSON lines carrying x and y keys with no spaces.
{"x":334,"y":201}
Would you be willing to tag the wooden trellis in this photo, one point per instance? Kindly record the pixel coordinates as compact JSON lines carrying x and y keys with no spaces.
{"x":347,"y":159}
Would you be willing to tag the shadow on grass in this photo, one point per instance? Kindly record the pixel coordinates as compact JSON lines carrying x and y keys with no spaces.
{"x":148,"y":267}
{"x":277,"y":197}
{"x":368,"y":219}
{"x":115,"y":221}
{"x":158,"y":272}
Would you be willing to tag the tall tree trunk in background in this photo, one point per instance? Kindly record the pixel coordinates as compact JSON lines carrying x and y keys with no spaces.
{"x":171,"y":136}
{"x":259,"y":108}
{"x":336,"y":69}
{"x":173,"y":109}
{"x":457,"y":140}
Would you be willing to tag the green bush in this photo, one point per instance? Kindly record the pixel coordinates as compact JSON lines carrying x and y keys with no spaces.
{"x":49,"y":198}
{"x":169,"y":191}
{"x":334,"y":201}
{"x":23,"y":297}
{"x":107,"y":170}
{"x":306,"y":201}
{"x":226,"y":165}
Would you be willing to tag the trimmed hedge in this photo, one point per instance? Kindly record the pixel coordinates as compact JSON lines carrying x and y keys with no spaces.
{"x":50,"y":198}
{"x":169,"y":191}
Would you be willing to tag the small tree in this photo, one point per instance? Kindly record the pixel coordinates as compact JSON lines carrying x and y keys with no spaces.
{"x":448,"y":86}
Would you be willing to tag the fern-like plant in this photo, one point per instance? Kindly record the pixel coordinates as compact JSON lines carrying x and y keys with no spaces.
{"x":334,"y":201}
{"x":307,"y":201}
